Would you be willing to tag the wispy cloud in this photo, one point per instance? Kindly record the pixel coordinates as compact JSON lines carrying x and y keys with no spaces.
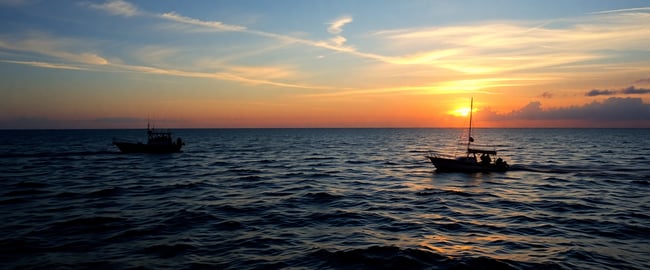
{"x":215,"y":25}
{"x":246,"y":75}
{"x":520,"y":45}
{"x":479,"y":85}
{"x":338,"y":40}
{"x":60,"y":49}
{"x":486,"y":48}
{"x":336,"y":27}
{"x":642,"y":9}
{"x":52,"y":46}
{"x":219,"y":26}
{"x":626,"y":91}
{"x":546,"y":95}
{"x":227,"y":76}
{"x":117,"y":7}
{"x":642,"y":81}
{"x":44,"y":65}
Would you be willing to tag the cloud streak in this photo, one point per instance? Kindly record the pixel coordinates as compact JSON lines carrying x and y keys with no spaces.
{"x":445,"y":87}
{"x":643,"y":81}
{"x":489,"y":48}
{"x":336,"y":27}
{"x":626,"y":91}
{"x":44,"y":65}
{"x":216,"y":75}
{"x":516,"y":45}
{"x":215,"y":25}
{"x":117,"y":7}
{"x":55,"y":47}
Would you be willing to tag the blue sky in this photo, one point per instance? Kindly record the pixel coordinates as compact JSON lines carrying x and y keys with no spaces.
{"x":75,"y":64}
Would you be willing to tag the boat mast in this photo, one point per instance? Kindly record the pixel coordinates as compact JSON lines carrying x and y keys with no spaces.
{"x":469,"y":136}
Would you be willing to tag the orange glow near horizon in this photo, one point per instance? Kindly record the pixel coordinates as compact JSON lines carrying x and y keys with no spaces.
{"x":330,"y":70}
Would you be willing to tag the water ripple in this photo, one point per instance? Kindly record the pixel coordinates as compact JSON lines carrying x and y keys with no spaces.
{"x":324,"y":198}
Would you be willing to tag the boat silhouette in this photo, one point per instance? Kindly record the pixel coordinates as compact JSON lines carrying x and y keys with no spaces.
{"x":471,"y":162}
{"x":157,"y":142}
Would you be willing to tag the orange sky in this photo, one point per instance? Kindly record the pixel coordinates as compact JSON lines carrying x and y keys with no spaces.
{"x":584,"y":64}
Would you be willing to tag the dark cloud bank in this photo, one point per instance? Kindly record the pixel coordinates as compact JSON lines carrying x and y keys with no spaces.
{"x":610,"y":110}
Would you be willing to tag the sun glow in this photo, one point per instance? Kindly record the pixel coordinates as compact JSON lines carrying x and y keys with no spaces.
{"x":461,"y":112}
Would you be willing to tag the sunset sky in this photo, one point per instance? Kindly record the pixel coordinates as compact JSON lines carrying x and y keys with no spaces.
{"x":223,"y":64}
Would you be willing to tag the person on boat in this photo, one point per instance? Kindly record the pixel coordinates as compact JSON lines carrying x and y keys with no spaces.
{"x":501,"y":163}
{"x":485,"y":159}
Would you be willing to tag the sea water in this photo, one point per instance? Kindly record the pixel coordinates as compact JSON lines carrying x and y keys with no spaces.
{"x":325,"y":198}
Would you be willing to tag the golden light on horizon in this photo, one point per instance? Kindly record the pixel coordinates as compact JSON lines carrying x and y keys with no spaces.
{"x":461,"y":112}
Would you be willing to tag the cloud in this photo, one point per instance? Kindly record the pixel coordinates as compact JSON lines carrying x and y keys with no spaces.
{"x":338,"y":40}
{"x":505,"y":46}
{"x":442,"y":87}
{"x":623,"y":10}
{"x":44,"y":65}
{"x":216,"y":25}
{"x":546,"y":95}
{"x":596,"y":92}
{"x":336,"y":46}
{"x":489,"y":47}
{"x":633,"y":90}
{"x":642,"y":81}
{"x":117,"y":7}
{"x":627,"y":91}
{"x":611,"y":109}
{"x":336,"y":27}
{"x":52,"y":46}
{"x":238,"y":74}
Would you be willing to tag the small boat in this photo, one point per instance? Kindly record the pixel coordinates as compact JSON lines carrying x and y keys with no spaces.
{"x":470,"y":161}
{"x":157,"y":142}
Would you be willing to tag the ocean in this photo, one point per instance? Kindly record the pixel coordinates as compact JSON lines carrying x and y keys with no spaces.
{"x":324,"y":199}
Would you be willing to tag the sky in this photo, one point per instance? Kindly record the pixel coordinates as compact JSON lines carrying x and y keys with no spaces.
{"x":334,"y":63}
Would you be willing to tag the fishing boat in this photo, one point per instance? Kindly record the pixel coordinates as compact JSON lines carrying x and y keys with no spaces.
{"x":157,"y":142}
{"x":476,"y":159}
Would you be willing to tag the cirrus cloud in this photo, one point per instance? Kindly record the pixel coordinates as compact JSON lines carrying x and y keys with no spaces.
{"x":117,"y":7}
{"x":61,"y":48}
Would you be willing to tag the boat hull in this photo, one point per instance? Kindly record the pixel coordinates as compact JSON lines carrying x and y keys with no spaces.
{"x":128,"y":147}
{"x":464,"y":165}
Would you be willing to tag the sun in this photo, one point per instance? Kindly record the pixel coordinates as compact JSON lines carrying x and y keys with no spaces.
{"x":461,"y":112}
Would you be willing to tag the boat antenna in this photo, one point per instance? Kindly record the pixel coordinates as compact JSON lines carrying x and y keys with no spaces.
{"x":471,"y":110}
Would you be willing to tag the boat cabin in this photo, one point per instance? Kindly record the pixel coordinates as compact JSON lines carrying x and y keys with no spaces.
{"x":486,"y":157}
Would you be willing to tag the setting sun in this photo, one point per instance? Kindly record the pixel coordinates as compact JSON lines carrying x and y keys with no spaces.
{"x":462,"y":112}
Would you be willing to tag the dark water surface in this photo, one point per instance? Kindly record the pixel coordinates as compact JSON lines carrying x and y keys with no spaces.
{"x":325,"y":198}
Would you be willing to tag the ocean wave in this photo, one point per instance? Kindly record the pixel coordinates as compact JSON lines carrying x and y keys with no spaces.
{"x":339,"y":199}
{"x":56,"y":154}
{"x":391,"y":257}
